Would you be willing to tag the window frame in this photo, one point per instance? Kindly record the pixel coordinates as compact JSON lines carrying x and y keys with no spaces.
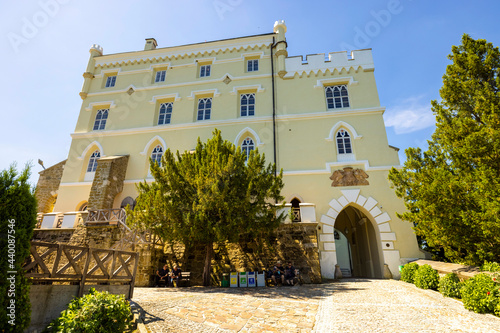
{"x":246,"y":148}
{"x":204,"y":111}
{"x":92,"y":164}
{"x":110,"y":81}
{"x":246,"y":108}
{"x":203,"y":70}
{"x":167,"y":114}
{"x":333,"y":102}
{"x":343,"y":140}
{"x":252,"y":65}
{"x":156,"y":155}
{"x":163,"y":75}
{"x":101,"y":122}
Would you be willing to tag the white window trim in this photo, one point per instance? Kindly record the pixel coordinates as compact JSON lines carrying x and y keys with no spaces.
{"x":201,"y":66}
{"x":253,"y":70}
{"x":156,"y":75}
{"x":348,"y":80}
{"x":150,"y":142}
{"x":258,"y":55}
{"x":108,"y":77}
{"x":159,"y":113}
{"x":155,"y":98}
{"x":257,"y":87}
{"x":241,"y":97}
{"x":101,"y":105}
{"x":214,"y":92}
{"x":247,"y":131}
{"x":333,"y":132}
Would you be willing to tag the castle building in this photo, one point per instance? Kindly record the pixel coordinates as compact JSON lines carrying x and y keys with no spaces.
{"x":318,"y":118}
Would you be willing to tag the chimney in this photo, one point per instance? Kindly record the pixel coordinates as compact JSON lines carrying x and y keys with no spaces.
{"x":150,"y":44}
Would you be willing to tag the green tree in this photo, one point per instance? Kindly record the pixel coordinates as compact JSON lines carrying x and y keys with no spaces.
{"x":17,"y":220}
{"x":452,"y":190}
{"x":210,"y":196}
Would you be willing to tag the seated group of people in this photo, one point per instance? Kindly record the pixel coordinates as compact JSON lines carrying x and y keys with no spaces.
{"x":285,"y":275}
{"x":169,"y":277}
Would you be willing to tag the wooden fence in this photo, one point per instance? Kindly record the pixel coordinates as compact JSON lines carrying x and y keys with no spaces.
{"x":51,"y":262}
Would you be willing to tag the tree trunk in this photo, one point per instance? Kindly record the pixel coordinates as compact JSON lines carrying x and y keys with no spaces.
{"x":208,"y":264}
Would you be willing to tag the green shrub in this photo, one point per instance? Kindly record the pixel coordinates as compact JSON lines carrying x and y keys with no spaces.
{"x":408,"y":272}
{"x":449,"y":285}
{"x":490,"y":266}
{"x":426,"y":277}
{"x":480,"y":294}
{"x":95,"y":312}
{"x":497,"y":310}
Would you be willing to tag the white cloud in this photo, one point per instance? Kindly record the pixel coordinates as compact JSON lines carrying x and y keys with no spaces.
{"x":409,"y":116}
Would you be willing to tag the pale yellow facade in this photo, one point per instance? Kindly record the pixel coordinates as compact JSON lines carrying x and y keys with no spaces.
{"x":302,"y":134}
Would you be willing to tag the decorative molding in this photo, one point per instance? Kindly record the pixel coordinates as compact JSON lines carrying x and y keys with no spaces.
{"x":85,"y":151}
{"x":175,"y":96}
{"x":105,"y":104}
{"x":150,"y":142}
{"x":260,"y":55}
{"x":329,"y":167}
{"x":251,"y":132}
{"x":215,"y":92}
{"x":337,"y":126}
{"x":256,"y":87}
{"x":349,"y":177}
{"x":336,"y":80}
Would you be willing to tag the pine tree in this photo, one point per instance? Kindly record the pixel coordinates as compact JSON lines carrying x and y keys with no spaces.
{"x":17,"y":220}
{"x":210,"y":196}
{"x":452,"y":190}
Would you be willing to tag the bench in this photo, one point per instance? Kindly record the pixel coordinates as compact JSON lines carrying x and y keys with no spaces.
{"x":185,"y":280}
{"x":296,"y":280}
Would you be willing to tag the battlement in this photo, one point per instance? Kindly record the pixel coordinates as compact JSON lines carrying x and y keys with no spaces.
{"x":336,"y":60}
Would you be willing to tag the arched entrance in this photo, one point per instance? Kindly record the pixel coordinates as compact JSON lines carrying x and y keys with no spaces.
{"x":357,"y":248}
{"x":356,"y":234}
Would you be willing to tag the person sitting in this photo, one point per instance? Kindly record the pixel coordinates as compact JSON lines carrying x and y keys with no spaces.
{"x":162,"y":276}
{"x":175,"y":276}
{"x":278,"y":273}
{"x":289,"y":274}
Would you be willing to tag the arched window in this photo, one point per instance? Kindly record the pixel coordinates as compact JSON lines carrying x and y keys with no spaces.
{"x":100,"y":119}
{"x":157,"y":154}
{"x":247,"y":146}
{"x":92,"y":166}
{"x":343,"y":142}
{"x":204,"y":108}
{"x":337,"y":97}
{"x":83,"y":206}
{"x":247,"y":105}
{"x":128,"y":201}
{"x":295,"y":210}
{"x":165,"y":113}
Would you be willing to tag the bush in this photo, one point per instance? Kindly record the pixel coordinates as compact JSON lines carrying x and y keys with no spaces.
{"x":449,"y":285}
{"x":490,"y":266}
{"x":95,"y":312}
{"x":497,"y":310}
{"x":426,"y":277}
{"x":408,"y":272}
{"x":480,"y":294}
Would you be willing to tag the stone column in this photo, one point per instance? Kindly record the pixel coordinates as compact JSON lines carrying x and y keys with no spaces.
{"x":281,"y":52}
{"x":47,"y":187}
{"x":95,"y":51}
{"x":108,"y":181}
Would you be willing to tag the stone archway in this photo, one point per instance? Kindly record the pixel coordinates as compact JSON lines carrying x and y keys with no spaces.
{"x":373,"y":243}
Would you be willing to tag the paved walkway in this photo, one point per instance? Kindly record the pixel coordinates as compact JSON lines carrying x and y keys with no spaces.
{"x":353,"y":305}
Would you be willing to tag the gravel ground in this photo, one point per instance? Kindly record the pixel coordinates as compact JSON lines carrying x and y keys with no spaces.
{"x":353,"y":305}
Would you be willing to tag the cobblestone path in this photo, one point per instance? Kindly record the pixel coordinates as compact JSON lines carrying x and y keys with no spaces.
{"x":353,"y":305}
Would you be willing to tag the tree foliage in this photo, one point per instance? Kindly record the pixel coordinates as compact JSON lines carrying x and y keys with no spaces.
{"x":210,"y":196}
{"x":451,"y":191}
{"x":17,"y":220}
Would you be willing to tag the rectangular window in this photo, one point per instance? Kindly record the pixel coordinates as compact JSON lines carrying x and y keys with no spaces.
{"x":110,"y":81}
{"x":247,"y":107}
{"x":205,"y":70}
{"x":337,"y":97}
{"x":204,"y":108}
{"x":252,"y":65}
{"x":160,"y":76}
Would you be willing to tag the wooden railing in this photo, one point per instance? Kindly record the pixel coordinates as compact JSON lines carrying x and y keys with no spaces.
{"x":106,"y":216}
{"x":51,"y":262}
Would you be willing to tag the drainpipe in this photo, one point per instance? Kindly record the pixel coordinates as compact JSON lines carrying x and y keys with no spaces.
{"x":274,"y":109}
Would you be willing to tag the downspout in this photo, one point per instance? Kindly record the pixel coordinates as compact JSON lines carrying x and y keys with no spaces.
{"x":274,"y":109}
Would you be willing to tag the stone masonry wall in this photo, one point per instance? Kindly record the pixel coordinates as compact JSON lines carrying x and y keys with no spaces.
{"x":108,"y":181}
{"x":295,"y":242}
{"x":47,"y":187}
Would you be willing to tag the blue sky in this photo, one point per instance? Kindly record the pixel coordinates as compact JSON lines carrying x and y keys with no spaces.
{"x":45,"y":51}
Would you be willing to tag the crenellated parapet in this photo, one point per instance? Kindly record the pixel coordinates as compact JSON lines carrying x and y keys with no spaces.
{"x":336,"y":61}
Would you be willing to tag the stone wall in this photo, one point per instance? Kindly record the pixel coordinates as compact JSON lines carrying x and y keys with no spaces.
{"x":295,"y":242}
{"x":47,"y":187}
{"x":108,"y":181}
